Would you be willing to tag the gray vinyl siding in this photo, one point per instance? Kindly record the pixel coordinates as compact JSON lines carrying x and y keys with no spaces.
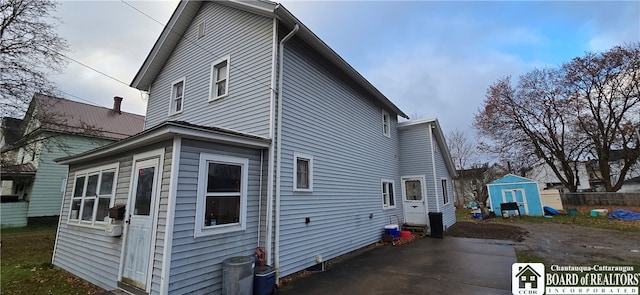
{"x":248,"y":39}
{"x":46,"y":193}
{"x":196,"y":263}
{"x":448,"y":210}
{"x":87,"y":252}
{"x":325,"y":116}
{"x":415,"y":159}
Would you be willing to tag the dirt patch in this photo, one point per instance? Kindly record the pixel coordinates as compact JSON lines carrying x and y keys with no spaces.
{"x":486,"y":230}
{"x":557,"y":243}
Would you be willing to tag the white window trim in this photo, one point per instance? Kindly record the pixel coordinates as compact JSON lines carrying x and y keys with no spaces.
{"x":184,"y":88}
{"x":297,"y":155}
{"x":203,"y":168}
{"x":86,"y":172}
{"x":393,"y":184}
{"x":386,"y":126}
{"x":213,"y":78}
{"x":445,"y":189}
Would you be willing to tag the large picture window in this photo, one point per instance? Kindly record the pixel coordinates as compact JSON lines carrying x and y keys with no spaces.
{"x":93,"y":193}
{"x":222,"y":194}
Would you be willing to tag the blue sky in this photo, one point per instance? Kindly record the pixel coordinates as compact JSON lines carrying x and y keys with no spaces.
{"x":432,"y":59}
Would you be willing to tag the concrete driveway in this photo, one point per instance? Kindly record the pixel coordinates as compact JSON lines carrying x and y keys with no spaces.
{"x":426,"y":266}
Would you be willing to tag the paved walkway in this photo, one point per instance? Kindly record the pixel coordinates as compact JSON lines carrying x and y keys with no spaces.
{"x":426,"y":266}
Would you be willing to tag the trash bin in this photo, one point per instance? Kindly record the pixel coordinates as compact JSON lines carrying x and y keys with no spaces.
{"x":237,"y":275}
{"x":264,"y":280}
{"x":435,"y":222}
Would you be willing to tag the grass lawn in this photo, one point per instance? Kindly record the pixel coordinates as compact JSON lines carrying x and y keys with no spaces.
{"x":581,"y":219}
{"x":26,"y":264}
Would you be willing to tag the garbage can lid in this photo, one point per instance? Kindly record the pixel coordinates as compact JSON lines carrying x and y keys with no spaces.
{"x":239,"y":260}
{"x":264,"y":269}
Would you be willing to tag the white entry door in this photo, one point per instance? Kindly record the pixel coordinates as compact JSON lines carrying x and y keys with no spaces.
{"x":414,"y":200}
{"x":142,"y":197}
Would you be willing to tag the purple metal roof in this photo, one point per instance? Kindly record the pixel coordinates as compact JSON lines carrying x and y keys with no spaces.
{"x":80,"y":118}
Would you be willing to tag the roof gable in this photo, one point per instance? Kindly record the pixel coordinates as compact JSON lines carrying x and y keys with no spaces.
{"x":510,"y":178}
{"x":174,"y":31}
{"x":438,"y":134}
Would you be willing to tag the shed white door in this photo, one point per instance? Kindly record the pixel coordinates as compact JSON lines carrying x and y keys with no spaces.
{"x":414,"y":200}
{"x":518,"y":196}
{"x":139,"y":234}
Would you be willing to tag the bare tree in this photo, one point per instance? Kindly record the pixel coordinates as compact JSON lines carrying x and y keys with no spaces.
{"x":462,"y":153}
{"x":563,"y":115}
{"x":605,"y":89}
{"x":30,"y":50}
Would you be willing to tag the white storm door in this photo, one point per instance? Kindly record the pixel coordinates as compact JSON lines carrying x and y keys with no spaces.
{"x":414,"y":200}
{"x":138,"y":240}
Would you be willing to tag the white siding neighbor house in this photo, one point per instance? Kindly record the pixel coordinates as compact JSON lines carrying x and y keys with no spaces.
{"x":257,"y":134}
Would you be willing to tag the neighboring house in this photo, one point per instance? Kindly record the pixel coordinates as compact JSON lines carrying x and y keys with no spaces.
{"x":616,"y":162}
{"x":471,"y":184}
{"x":542,"y":173}
{"x":32,"y":184}
{"x":257,"y":134}
{"x":512,"y":188}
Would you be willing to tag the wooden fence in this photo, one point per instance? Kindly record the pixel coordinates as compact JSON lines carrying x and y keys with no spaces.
{"x":600,"y":199}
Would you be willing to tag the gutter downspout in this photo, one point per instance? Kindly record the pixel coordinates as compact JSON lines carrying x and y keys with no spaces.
{"x":433,"y":164}
{"x":286,"y":38}
{"x":271,"y":157}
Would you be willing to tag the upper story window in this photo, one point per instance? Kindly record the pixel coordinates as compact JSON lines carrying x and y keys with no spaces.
{"x":303,"y":172}
{"x":386,"y":124}
{"x":388,"y":200}
{"x":445,"y":191}
{"x":222,"y":194}
{"x":177,"y":96}
{"x":219,"y":85}
{"x":93,"y":194}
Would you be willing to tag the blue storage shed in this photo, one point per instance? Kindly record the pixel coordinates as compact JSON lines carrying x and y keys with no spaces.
{"x":513,"y":188}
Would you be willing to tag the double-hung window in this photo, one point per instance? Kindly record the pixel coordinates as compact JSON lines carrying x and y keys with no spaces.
{"x":93,"y":193}
{"x":445,"y":191}
{"x":302,"y":172}
{"x":388,"y":200}
{"x":219,"y":84}
{"x":177,"y":96}
{"x":222,"y":194}
{"x":386,"y":124}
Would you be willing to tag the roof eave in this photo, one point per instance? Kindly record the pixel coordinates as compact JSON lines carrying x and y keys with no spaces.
{"x":165,"y":131}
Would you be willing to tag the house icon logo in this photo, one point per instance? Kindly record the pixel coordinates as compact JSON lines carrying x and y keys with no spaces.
{"x":527,"y":278}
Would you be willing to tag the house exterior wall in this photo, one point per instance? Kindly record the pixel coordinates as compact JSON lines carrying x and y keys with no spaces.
{"x":46,"y":192}
{"x":196,"y":263}
{"x":86,"y":251}
{"x":326,"y":117}
{"x":248,"y":40}
{"x":416,"y":159}
{"x":544,"y":176}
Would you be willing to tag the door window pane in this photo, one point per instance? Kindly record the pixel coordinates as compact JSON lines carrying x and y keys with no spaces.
{"x":413,"y":190}
{"x":223,"y":178}
{"x":144,"y":190}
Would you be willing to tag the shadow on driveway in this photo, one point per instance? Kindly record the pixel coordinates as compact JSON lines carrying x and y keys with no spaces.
{"x":426,"y":266}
